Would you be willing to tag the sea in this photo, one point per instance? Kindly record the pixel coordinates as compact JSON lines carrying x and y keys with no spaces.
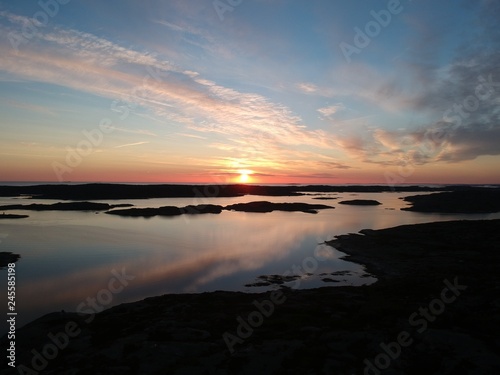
{"x":89,"y":261}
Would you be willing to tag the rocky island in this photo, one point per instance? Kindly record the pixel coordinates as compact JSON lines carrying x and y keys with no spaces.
{"x":361,"y":202}
{"x":7,"y":257}
{"x":264,"y":206}
{"x":469,"y":201}
{"x":12,"y":216}
{"x":261,"y":206}
{"x":64,"y":206}
{"x":168,"y":211}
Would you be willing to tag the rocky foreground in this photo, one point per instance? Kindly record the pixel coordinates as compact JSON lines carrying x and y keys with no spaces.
{"x":473,"y":201}
{"x":434,"y":310}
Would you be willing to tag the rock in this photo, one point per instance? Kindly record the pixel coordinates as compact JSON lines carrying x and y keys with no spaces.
{"x":264,"y":206}
{"x":7,"y":257}
{"x":469,"y":201}
{"x":169,"y":211}
{"x":361,"y":202}
{"x":64,"y":206}
{"x":330,"y":280}
{"x":190,"y":334}
{"x":13,"y":216}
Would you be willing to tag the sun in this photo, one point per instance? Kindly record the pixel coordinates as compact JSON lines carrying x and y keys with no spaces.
{"x":244,"y":176}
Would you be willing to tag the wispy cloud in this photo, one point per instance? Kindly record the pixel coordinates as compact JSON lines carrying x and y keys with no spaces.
{"x":30,"y":107}
{"x":266,"y":122}
{"x":133,"y":131}
{"x":191,"y":135}
{"x":331,"y":109}
{"x":131,"y":144}
{"x":85,"y":62}
{"x":307,"y":87}
{"x":460,"y":101}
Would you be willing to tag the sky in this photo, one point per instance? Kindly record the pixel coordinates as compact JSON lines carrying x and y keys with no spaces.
{"x":256,"y":91}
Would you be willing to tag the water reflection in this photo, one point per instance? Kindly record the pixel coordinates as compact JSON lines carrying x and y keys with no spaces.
{"x":68,"y":257}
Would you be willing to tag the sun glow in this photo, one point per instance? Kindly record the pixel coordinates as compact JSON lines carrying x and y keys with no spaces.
{"x":244,"y":176}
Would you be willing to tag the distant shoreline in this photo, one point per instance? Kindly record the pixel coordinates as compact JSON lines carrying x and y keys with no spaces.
{"x":134,"y":191}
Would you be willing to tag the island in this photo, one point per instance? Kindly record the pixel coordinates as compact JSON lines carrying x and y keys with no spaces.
{"x":64,"y":206}
{"x":259,"y":206}
{"x":168,"y":211}
{"x":469,"y":202}
{"x":12,"y":216}
{"x":361,"y":202}
{"x":264,"y":206}
{"x":7,"y":257}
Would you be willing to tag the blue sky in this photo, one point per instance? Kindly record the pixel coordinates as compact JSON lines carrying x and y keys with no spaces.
{"x":261,"y":91}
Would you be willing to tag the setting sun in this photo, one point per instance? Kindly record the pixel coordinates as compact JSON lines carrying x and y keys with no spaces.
{"x":244,"y":176}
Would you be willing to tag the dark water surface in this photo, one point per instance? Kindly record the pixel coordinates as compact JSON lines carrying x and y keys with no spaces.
{"x":68,"y":258}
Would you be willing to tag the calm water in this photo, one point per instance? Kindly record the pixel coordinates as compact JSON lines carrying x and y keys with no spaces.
{"x":67,"y":257}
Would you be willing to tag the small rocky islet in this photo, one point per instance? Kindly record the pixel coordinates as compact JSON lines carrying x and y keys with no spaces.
{"x":12,"y":216}
{"x":361,"y":202}
{"x":64,"y":206}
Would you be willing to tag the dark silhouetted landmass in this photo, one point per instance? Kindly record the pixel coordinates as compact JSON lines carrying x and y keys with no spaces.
{"x":63,"y":206}
{"x":7,"y":257}
{"x":329,"y":330}
{"x":361,"y":202}
{"x":470,"y":202}
{"x":264,"y":206}
{"x":326,"y":198}
{"x":13,"y":216}
{"x":169,"y":211}
{"x":267,"y":280}
{"x":261,"y":206}
{"x":129,"y":191}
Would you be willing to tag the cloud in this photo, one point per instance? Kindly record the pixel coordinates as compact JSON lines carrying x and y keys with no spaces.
{"x":191,"y":135}
{"x":131,"y":144}
{"x":30,"y":107}
{"x":133,"y":131}
{"x":332,"y":109}
{"x":307,"y":87}
{"x":171,"y":26}
{"x":469,"y":143}
{"x":458,"y":104}
{"x":147,"y":85}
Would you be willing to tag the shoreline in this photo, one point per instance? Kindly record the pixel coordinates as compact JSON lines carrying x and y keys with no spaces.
{"x":126,"y":191}
{"x":329,"y":329}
